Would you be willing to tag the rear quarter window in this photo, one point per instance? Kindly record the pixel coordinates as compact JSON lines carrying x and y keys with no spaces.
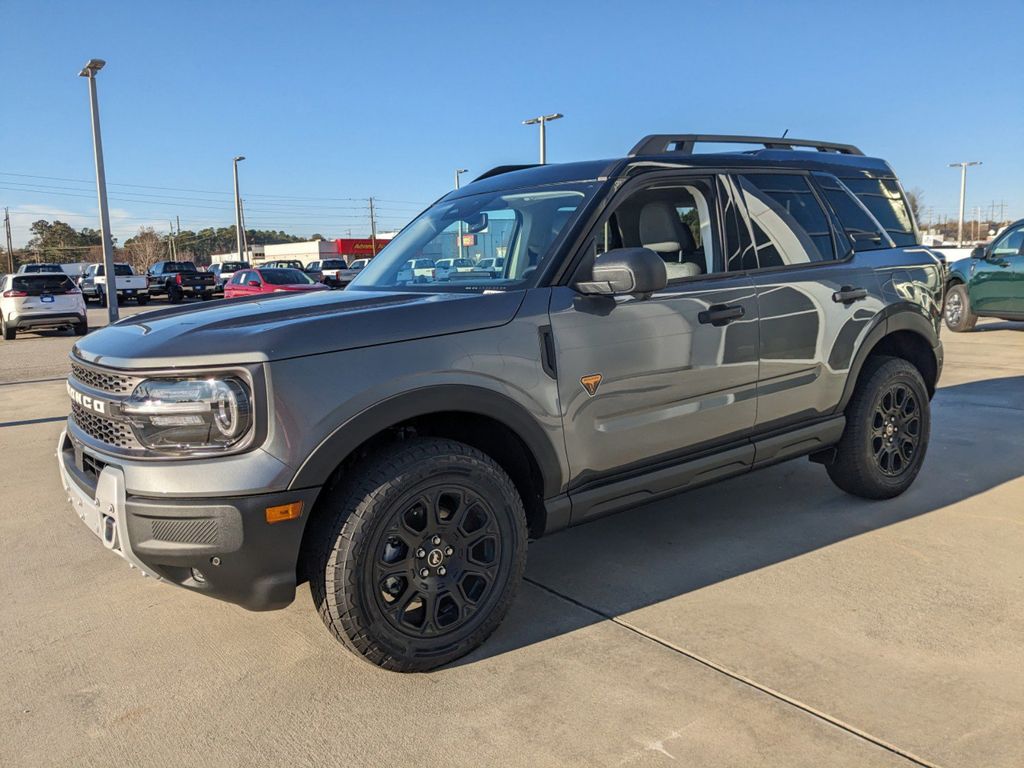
{"x":886,"y":202}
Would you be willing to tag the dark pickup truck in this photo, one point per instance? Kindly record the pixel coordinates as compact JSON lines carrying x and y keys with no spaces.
{"x":178,"y":279}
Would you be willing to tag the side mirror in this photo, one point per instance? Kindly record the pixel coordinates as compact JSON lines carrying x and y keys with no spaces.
{"x":626,"y":271}
{"x":978,"y":252}
{"x":254,"y":283}
{"x":476,"y":224}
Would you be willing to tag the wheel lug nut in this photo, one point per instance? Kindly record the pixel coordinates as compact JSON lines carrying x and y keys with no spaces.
{"x":448,"y":551}
{"x":420,"y":552}
{"x":442,"y":571}
{"x":424,"y":572}
{"x":436,"y":540}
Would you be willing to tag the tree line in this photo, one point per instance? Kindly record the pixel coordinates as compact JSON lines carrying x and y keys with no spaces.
{"x":59,"y":242}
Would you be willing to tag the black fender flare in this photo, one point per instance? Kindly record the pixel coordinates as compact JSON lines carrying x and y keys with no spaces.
{"x":317,"y":468}
{"x":889,"y":321}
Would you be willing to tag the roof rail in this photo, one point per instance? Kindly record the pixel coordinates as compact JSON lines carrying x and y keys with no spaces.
{"x":500,"y":169}
{"x":683,"y":143}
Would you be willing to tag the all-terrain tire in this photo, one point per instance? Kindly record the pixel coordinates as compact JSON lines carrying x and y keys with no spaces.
{"x":888,"y":422}
{"x":956,"y":309}
{"x":449,"y":521}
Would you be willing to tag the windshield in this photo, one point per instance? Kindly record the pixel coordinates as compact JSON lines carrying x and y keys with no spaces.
{"x":518,"y":227}
{"x":233,"y":266}
{"x":285,"y":277}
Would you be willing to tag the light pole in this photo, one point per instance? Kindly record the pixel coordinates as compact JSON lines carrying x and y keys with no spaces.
{"x":458,"y":173}
{"x":963,"y":189}
{"x":542,"y":121}
{"x":238,"y":208}
{"x":89,"y":72}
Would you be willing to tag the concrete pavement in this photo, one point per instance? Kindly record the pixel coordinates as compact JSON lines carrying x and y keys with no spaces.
{"x":766,"y":620}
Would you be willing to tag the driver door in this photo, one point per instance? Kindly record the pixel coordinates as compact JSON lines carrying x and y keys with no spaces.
{"x":997,"y":282}
{"x":644,"y":381}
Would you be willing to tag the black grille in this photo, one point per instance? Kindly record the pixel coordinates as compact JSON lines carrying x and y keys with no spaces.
{"x":116,"y":433}
{"x":105,"y":382}
{"x":195,"y":531}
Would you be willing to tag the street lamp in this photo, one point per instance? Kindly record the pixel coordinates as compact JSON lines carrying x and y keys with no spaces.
{"x":963,"y":190}
{"x":459,"y":172}
{"x":238,"y":208}
{"x":542,"y":121}
{"x":89,"y":72}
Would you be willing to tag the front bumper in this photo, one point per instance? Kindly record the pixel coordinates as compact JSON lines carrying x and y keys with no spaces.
{"x":240,"y":557}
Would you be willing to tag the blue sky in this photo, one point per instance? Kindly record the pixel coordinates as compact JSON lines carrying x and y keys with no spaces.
{"x":334,"y":102}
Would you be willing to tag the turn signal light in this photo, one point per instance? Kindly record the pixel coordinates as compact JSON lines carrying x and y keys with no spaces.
{"x":284,"y":512}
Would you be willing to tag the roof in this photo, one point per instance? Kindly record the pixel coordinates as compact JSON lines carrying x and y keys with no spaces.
{"x":843,"y":160}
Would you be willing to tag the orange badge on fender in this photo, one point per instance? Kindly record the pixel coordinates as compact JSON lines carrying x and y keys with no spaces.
{"x":591,"y":383}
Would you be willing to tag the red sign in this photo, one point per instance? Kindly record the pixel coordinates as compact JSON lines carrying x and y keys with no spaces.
{"x":349,"y":246}
{"x":468,"y":241}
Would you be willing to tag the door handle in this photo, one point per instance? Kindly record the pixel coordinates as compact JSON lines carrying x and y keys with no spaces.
{"x":848,"y":294}
{"x":721,"y":314}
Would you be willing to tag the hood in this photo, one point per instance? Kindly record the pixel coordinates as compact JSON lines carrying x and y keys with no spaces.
{"x":275,"y":326}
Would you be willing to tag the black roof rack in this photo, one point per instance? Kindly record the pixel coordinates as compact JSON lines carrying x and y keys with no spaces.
{"x":683,"y":143}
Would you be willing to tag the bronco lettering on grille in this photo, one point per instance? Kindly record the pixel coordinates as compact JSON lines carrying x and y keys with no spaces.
{"x":87,"y":402}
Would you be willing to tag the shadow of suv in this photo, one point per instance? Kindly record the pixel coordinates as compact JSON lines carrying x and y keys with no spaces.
{"x":658,"y":322}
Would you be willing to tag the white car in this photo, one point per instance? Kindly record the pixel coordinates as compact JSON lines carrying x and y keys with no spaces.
{"x":446,"y":267}
{"x":39,"y":300}
{"x":417,"y":270}
{"x":496,"y":266}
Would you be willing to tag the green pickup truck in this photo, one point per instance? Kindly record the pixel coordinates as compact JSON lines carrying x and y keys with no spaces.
{"x":989,"y":283}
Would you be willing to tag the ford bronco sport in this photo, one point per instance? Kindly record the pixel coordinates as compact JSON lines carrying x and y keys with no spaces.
{"x":660,"y":321}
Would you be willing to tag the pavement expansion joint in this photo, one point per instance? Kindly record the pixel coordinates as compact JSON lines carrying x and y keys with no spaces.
{"x":778,"y":695}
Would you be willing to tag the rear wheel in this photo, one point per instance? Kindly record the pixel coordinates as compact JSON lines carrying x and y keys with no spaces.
{"x":8,"y":332}
{"x":418,"y":554}
{"x":142,"y":299}
{"x":957,"y":310}
{"x":887,"y":426}
{"x":174,"y":295}
{"x":82,"y":328}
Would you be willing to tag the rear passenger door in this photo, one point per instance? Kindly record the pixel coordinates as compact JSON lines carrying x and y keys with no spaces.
{"x":816,"y":298}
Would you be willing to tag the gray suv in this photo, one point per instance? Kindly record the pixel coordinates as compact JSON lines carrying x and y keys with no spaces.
{"x":659,"y":321}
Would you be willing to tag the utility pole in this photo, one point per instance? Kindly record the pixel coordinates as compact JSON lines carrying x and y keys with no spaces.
{"x":245,"y":238}
{"x":542,"y":121}
{"x":963,"y":190}
{"x":458,"y":173}
{"x":10,"y":248}
{"x":238,"y":207}
{"x":373,"y":229}
{"x":89,"y":72}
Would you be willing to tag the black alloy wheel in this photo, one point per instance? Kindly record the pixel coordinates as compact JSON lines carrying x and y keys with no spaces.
{"x":896,"y":430}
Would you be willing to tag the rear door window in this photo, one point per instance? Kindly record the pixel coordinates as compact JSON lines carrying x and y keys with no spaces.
{"x":789,"y":225}
{"x":862,"y":228}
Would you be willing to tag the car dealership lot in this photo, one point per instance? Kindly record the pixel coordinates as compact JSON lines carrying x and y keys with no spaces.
{"x":769,"y":619}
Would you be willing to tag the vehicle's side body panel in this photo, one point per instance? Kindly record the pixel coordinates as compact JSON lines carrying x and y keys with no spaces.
{"x":669,"y":383}
{"x":808,"y":340}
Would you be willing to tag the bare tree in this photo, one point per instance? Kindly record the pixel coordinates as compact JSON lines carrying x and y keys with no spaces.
{"x":915,"y":197}
{"x":144,"y":249}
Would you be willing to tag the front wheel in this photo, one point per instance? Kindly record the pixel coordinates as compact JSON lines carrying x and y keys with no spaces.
{"x":418,"y":554}
{"x":887,"y":426}
{"x":957,"y":310}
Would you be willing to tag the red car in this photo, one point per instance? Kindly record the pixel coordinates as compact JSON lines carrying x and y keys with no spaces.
{"x":252,"y":281}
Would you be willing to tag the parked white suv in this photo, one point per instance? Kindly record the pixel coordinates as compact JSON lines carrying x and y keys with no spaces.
{"x":34,"y":301}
